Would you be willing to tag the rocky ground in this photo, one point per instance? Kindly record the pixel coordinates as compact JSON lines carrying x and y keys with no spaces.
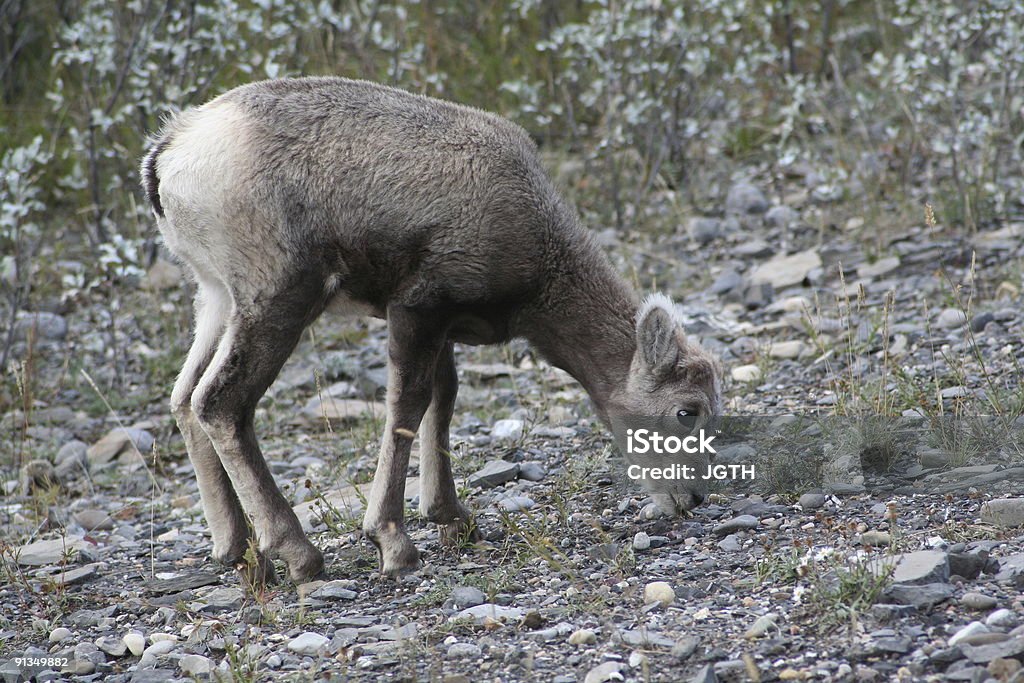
{"x":884,"y":543}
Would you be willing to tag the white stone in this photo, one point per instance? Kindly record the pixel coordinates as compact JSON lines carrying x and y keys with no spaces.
{"x":746,"y":373}
{"x":195,"y":665}
{"x":972,"y":629}
{"x":786,"y":349}
{"x":583,"y":636}
{"x":786,"y":271}
{"x":308,"y":643}
{"x":641,"y":541}
{"x":507,"y":430}
{"x":59,"y":634}
{"x":135,"y":641}
{"x":488,"y":612}
{"x":660,"y":592}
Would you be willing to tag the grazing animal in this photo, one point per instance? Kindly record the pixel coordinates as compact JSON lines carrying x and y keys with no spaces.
{"x":289,"y":197}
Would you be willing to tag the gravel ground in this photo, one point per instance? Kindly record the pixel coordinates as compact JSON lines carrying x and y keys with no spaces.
{"x":897,"y":556}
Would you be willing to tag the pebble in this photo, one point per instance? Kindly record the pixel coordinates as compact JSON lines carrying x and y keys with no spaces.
{"x":508,"y":430}
{"x":583,"y":636}
{"x":135,"y":642}
{"x":746,"y":373}
{"x":59,"y":634}
{"x":971,"y":629}
{"x":745,"y":198}
{"x":467,"y":596}
{"x":335,"y":590}
{"x":195,"y":665}
{"x":308,"y":643}
{"x":921,"y":567}
{"x":738,"y":523}
{"x":761,"y":626}
{"x":641,"y":541}
{"x":878,"y":539}
{"x":608,"y":671}
{"x":812,"y":501}
{"x":532,"y":471}
{"x":494,"y":473}
{"x":659,"y":592}
{"x":464,"y":651}
{"x":1001,"y":618}
{"x":978,"y":601}
{"x":951,"y":318}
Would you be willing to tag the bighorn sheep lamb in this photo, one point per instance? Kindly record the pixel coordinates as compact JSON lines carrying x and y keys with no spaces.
{"x":289,"y":197}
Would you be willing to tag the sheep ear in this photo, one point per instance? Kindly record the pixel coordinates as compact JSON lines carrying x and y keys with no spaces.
{"x":657,"y":338}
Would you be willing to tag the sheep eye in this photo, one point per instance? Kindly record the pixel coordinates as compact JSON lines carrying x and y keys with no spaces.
{"x":686,"y":418}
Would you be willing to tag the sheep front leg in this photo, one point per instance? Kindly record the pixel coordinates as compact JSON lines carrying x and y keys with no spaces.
{"x":414,"y":343}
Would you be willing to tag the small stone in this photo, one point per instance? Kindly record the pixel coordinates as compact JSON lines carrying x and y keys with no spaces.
{"x":112,"y":645}
{"x":222,"y":599}
{"x":660,"y":592}
{"x":1001,"y":618}
{"x":156,"y":650}
{"x":705,"y":675}
{"x":746,"y":373}
{"x":118,"y":441}
{"x":91,"y":519}
{"x":135,"y":642}
{"x":467,"y":596}
{"x":786,"y":350}
{"x":532,"y":471}
{"x":516,"y":503}
{"x":780,"y":216}
{"x":704,"y":229}
{"x":608,"y":671}
{"x":745,"y":198}
{"x":812,"y":501}
{"x":641,"y":541}
{"x":1004,"y":512}
{"x":880,"y":267}
{"x":971,"y":629}
{"x":340,"y":411}
{"x":982,"y":654}
{"x":195,"y":665}
{"x":488,"y":612}
{"x":978,"y":601}
{"x":59,"y":634}
{"x":494,"y":473}
{"x":308,"y":643}
{"x":685,"y":647}
{"x":878,"y":539}
{"x":761,"y":626}
{"x":41,"y":325}
{"x":583,"y":636}
{"x":981,"y":320}
{"x":335,"y":590}
{"x":786,"y":271}
{"x":730,"y":544}
{"x":951,"y":318}
{"x":507,"y":430}
{"x":738,"y":523}
{"x":757,"y":295}
{"x":464,"y":651}
{"x":726,"y":282}
{"x":637,"y":660}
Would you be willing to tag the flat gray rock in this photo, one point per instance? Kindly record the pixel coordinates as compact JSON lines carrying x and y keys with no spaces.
{"x":922,"y":596}
{"x":982,"y":654}
{"x":738,"y":523}
{"x":921,"y":567}
{"x":50,"y":551}
{"x":494,"y":473}
{"x":181,"y":583}
{"x":1004,"y":512}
